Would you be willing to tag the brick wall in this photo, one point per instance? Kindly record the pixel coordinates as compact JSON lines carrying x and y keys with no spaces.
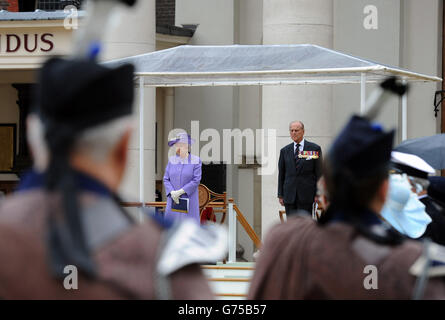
{"x":13,"y":5}
{"x":10,"y":5}
{"x":165,"y":12}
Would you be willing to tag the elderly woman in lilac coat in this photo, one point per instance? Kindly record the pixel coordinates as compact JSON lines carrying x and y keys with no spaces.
{"x":181,"y":179}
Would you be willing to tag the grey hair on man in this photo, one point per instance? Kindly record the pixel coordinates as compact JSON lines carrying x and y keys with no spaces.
{"x":296,"y":121}
{"x":96,"y":142}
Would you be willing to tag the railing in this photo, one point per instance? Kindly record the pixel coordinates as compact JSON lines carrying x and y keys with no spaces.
{"x":52,"y":5}
{"x":242,"y":220}
{"x":234,"y":214}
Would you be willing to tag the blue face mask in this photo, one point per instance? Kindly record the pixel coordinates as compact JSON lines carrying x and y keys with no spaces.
{"x":403,"y":210}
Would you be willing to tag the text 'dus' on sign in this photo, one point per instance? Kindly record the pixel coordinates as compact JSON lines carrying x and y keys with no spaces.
{"x":29,"y":42}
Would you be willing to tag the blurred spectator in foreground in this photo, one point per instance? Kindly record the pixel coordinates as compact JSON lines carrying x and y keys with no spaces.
{"x":350,"y":253}
{"x":420,"y":216}
{"x":66,"y":221}
{"x":403,"y":209}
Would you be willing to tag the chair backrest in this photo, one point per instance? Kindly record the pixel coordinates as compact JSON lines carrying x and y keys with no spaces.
{"x":204,"y":196}
{"x":212,"y":199}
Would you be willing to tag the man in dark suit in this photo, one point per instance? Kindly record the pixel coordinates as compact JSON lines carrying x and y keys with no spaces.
{"x":299,"y":170}
{"x":434,"y":201}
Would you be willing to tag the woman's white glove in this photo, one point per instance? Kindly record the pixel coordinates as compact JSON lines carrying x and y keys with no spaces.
{"x":175,"y":194}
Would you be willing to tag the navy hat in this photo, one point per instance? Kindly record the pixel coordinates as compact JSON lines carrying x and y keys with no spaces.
{"x":81,"y":93}
{"x":361,"y":147}
{"x":436,"y":189}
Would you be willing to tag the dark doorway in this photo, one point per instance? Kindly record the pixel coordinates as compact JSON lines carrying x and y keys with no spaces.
{"x":214,"y":177}
{"x":23,"y":159}
{"x":27,"y":5}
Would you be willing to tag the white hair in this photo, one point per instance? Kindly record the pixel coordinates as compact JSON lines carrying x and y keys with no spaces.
{"x":296,"y":121}
{"x":36,"y":141}
{"x":99,"y":141}
{"x":96,"y":142}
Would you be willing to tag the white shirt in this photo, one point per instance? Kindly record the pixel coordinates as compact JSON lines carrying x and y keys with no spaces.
{"x":301,"y":146}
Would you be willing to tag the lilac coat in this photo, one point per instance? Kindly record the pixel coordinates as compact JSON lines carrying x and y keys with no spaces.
{"x":183,"y":174}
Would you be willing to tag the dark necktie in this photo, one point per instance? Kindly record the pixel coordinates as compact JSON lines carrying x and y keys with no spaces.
{"x":297,"y":159}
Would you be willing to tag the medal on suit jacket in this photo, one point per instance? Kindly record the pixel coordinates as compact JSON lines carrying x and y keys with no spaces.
{"x":308,"y":155}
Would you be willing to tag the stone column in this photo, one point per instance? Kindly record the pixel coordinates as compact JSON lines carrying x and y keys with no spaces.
{"x":294,"y":22}
{"x":135,"y":33}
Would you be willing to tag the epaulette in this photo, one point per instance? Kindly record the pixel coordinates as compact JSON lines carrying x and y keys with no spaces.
{"x":186,"y":243}
{"x":431,"y":262}
{"x":381,"y":234}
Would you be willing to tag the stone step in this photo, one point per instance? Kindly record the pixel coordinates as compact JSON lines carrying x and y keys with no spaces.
{"x":229,"y":286}
{"x":230,"y":280}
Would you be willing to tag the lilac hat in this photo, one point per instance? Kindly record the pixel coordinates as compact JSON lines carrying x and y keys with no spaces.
{"x":181,"y":137}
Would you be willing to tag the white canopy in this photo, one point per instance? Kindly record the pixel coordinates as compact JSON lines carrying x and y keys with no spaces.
{"x":236,"y":65}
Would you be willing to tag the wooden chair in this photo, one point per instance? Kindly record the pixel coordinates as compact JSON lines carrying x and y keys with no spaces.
{"x":204,"y":197}
{"x":282,"y":213}
{"x":208,"y":198}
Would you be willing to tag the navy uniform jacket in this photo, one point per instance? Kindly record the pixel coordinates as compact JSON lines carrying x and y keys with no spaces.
{"x":436,"y":229}
{"x":302,"y":183}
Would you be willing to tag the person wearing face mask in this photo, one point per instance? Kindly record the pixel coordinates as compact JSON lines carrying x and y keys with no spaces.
{"x":422,"y":216}
{"x":403,"y":210}
{"x":181,"y":180}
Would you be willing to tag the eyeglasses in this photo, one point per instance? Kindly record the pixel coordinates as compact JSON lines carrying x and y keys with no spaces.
{"x":419,"y":184}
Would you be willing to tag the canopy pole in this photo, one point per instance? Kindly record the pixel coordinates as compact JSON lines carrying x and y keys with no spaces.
{"x":362,"y":93}
{"x":141,"y":141}
{"x":232,"y":233}
{"x":404,"y":114}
